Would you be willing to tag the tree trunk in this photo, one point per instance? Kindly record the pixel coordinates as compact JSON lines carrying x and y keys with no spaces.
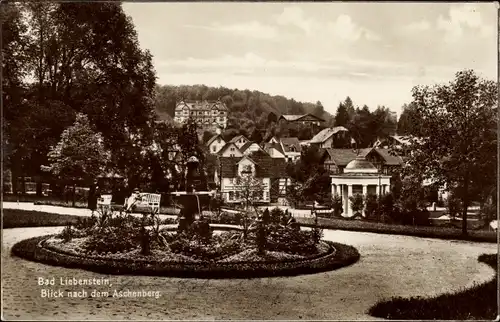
{"x":39,"y":187}
{"x":74,"y":195}
{"x":465,"y":201}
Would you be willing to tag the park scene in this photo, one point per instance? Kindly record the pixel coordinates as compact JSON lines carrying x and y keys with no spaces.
{"x":136,"y":189}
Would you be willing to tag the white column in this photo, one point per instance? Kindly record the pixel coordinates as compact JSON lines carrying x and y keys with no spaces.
{"x":349,"y":194}
{"x":334,"y":190}
{"x":365,"y":189}
{"x":379,"y":187}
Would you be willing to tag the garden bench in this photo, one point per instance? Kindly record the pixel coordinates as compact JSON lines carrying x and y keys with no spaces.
{"x":152,"y":200}
{"x":104,"y":202}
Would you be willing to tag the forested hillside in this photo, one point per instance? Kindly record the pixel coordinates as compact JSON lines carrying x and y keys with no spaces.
{"x":249,"y":110}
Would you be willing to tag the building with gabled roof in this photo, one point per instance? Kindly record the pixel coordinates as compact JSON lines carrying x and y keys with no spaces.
{"x":335,"y":160}
{"x":274,"y":149}
{"x":215,"y":144}
{"x":250,"y":147}
{"x":208,"y":115}
{"x":230,"y":149}
{"x":239,"y":140}
{"x":325,"y":138}
{"x":270,"y":170}
{"x":306,"y":119}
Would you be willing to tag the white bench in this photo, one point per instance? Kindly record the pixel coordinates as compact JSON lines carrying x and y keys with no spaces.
{"x":104,"y":202}
{"x":152,"y":200}
{"x":147,"y":200}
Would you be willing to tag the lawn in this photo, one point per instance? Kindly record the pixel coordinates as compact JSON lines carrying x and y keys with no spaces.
{"x":476,"y":303}
{"x":417,"y":231}
{"x":14,"y":218}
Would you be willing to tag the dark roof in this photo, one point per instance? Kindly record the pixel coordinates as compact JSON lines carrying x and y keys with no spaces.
{"x":236,"y":138}
{"x":388,"y":157}
{"x":288,"y":143}
{"x":276,"y":146}
{"x":265,"y":166}
{"x":213,"y":138}
{"x":245,"y":146}
{"x":293,"y":118}
{"x":202,"y":105}
{"x":342,"y":157}
{"x":325,"y":134}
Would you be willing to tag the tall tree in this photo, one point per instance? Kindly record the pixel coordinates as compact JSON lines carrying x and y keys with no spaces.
{"x":457,"y":145}
{"x":80,"y":154}
{"x":86,"y":58}
{"x":342,"y":117}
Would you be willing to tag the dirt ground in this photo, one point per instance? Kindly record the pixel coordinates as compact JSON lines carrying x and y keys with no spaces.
{"x":389,"y":266}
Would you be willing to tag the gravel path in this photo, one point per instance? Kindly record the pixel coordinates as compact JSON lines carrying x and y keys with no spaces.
{"x":389,"y":266}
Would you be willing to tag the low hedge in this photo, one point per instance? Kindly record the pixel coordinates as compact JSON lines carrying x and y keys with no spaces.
{"x":393,"y":229}
{"x":340,"y":256}
{"x":477,"y":303}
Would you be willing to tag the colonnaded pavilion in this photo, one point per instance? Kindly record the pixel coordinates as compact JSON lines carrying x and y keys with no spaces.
{"x":359,"y":177}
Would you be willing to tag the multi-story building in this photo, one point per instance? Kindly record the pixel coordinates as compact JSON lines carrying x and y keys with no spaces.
{"x":269,"y":171}
{"x":209,"y":115}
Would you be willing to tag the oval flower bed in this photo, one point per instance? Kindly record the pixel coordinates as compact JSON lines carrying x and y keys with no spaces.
{"x":244,"y":264}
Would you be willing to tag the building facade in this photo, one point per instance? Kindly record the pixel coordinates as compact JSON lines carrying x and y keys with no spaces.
{"x":209,"y":115}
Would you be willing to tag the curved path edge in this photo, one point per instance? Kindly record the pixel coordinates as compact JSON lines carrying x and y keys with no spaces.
{"x":341,"y":255}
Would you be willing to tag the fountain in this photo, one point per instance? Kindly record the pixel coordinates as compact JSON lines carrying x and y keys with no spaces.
{"x":195,"y":196}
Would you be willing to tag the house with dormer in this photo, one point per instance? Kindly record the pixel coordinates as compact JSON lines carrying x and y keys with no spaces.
{"x":292,"y":148}
{"x":215,"y":144}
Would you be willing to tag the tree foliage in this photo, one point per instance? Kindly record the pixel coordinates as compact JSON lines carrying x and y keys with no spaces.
{"x":68,"y":58}
{"x":457,"y":146}
{"x":80,"y":154}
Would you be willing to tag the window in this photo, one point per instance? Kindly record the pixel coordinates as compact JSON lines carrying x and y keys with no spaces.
{"x":231,"y":195}
{"x":232,"y":155}
{"x":214,"y":148}
{"x":232,"y":149}
{"x":266,"y":195}
{"x":237,"y":195}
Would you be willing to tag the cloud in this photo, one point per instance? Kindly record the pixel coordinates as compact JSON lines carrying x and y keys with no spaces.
{"x":463,"y":17}
{"x":418,"y":26}
{"x":294,"y":16}
{"x":248,"y":29}
{"x":255,"y":65}
{"x":345,"y":29}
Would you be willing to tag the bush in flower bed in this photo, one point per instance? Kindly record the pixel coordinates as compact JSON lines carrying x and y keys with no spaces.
{"x":288,"y":240}
{"x":339,"y":256}
{"x":225,"y":244}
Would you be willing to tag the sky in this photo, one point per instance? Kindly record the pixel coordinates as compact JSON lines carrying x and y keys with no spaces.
{"x":373,"y":52}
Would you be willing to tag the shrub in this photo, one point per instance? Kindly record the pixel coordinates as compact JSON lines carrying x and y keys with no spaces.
{"x":387,"y":210}
{"x":113,"y":239}
{"x":454,"y":205}
{"x":67,"y":234}
{"x":357,"y":203}
{"x":372,"y":207}
{"x":277,"y":216}
{"x":337,"y":205}
{"x":225,"y":244}
{"x":290,"y":240}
